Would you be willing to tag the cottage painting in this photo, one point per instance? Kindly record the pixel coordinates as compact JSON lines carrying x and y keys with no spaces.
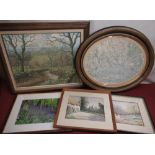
{"x":46,"y":58}
{"x":85,"y":108}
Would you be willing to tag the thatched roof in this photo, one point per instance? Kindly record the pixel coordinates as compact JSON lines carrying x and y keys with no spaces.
{"x":73,"y":101}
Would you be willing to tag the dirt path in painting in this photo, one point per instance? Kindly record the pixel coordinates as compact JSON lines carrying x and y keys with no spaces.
{"x":87,"y":116}
{"x":50,"y":75}
{"x":43,"y":77}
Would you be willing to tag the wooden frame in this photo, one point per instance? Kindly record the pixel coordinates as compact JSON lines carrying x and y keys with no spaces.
{"x":32,"y":122}
{"x":130,"y":57}
{"x":64,"y":118}
{"x":132,"y":115}
{"x":38,"y":34}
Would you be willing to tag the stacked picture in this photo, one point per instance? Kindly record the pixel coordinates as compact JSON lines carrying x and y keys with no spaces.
{"x":72,"y":109}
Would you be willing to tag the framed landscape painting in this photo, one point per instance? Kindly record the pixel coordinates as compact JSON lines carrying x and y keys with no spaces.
{"x":85,"y":110}
{"x":115,"y":58}
{"x":33,"y":113}
{"x":40,"y":56}
{"x":131,"y":114}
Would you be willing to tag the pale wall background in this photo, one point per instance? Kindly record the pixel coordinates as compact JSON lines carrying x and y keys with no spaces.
{"x":145,"y":26}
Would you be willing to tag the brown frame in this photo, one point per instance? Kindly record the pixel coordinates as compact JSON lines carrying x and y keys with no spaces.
{"x":83,"y":128}
{"x":36,"y":26}
{"x":145,"y":106}
{"x":116,"y":30}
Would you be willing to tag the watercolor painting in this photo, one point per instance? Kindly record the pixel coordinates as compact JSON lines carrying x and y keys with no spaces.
{"x":85,"y":108}
{"x":127,"y":113}
{"x":114,"y":60}
{"x":39,"y":59}
{"x":37,"y":111}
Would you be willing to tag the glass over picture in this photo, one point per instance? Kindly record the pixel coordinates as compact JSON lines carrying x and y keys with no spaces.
{"x":114,"y":61}
{"x":85,"y":108}
{"x":37,"y":111}
{"x":127,"y":113}
{"x":42,"y":58}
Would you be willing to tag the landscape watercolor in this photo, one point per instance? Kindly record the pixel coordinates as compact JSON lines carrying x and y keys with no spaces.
{"x":85,"y":108}
{"x":42,"y":58}
{"x":127,"y":113}
{"x":37,"y":111}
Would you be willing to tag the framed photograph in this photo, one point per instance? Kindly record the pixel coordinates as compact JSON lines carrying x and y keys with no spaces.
{"x":40,"y":56}
{"x":131,"y":114}
{"x":85,"y":109}
{"x":33,"y":113}
{"x":115,"y":58}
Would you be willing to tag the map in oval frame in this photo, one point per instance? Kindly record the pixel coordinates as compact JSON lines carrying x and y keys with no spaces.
{"x":115,"y":58}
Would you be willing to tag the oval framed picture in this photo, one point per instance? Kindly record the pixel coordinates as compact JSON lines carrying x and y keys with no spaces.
{"x":115,"y":58}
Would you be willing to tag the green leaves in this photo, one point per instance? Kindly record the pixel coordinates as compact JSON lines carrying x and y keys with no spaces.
{"x":37,"y":111}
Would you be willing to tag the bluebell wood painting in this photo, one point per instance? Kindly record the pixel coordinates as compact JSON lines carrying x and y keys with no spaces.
{"x":37,"y":111}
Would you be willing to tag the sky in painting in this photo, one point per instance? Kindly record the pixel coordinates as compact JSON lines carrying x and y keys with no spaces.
{"x":90,"y":101}
{"x":41,"y":41}
{"x":126,"y":107}
{"x":94,"y":101}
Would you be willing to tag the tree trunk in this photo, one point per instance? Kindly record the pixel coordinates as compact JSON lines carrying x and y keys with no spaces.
{"x":72,"y":53}
{"x":22,"y":66}
{"x":72,"y":49}
{"x":82,"y":107}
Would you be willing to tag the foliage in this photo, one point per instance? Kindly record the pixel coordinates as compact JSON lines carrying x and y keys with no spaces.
{"x":92,"y":109}
{"x":37,"y":111}
{"x":84,"y":103}
{"x":18,"y":44}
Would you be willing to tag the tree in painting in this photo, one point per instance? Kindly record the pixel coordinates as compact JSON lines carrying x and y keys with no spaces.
{"x":68,"y":40}
{"x":68,"y":43}
{"x":18,"y":45}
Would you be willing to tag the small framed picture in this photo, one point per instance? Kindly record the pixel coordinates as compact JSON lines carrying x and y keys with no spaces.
{"x":85,"y":109}
{"x":40,"y":56}
{"x":33,"y":113}
{"x":131,"y":114}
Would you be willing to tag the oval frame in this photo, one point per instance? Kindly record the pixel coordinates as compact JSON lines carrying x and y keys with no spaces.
{"x":113,"y":31}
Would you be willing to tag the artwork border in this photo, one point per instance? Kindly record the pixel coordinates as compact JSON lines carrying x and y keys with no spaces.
{"x":110,"y":31}
{"x":10,"y":126}
{"x":146,"y":117}
{"x":36,"y":27}
{"x":111,"y":111}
